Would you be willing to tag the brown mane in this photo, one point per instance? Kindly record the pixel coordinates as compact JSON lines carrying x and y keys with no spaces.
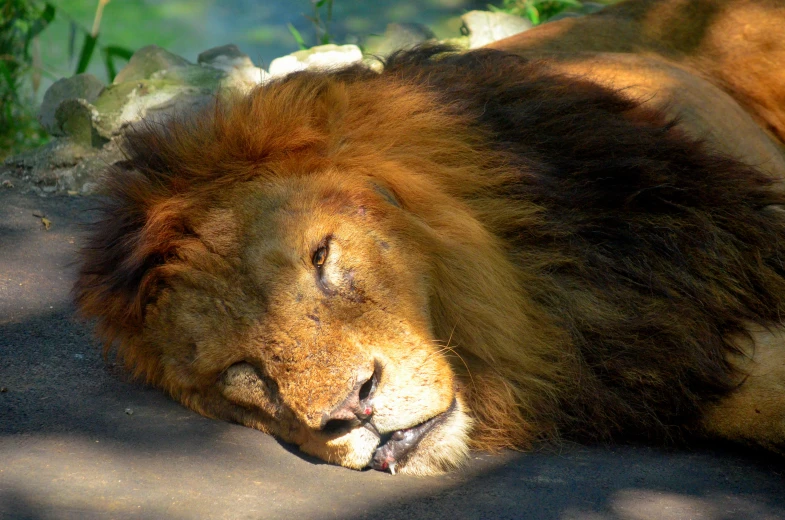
{"x":610,"y":255}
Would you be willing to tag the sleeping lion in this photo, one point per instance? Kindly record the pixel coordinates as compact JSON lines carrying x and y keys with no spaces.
{"x":577,"y":233}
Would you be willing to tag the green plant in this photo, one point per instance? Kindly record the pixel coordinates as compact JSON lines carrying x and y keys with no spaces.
{"x":109,"y":52}
{"x":21,"y":21}
{"x":321,"y":23}
{"x":537,"y":11}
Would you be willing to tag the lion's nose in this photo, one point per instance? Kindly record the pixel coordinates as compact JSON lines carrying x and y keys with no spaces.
{"x":353,"y":409}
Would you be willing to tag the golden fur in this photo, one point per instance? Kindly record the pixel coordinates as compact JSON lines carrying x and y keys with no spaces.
{"x":430,"y":256}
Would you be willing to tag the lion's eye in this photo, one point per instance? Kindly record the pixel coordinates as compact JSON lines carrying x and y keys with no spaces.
{"x":320,"y":256}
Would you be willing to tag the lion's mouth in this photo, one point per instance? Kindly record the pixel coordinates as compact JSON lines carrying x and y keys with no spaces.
{"x":396,"y":446}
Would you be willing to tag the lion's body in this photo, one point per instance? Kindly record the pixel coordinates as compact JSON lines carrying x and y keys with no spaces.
{"x":378,"y":266}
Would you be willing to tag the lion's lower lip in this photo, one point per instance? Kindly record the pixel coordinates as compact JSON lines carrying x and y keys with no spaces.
{"x":400,"y":443}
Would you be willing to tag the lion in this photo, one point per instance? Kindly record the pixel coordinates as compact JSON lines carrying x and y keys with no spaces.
{"x":577,"y":233}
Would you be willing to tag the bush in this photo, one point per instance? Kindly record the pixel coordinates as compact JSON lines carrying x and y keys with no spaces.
{"x":20,"y":22}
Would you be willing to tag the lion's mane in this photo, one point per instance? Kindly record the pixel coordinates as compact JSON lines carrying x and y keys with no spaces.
{"x":639,"y":250}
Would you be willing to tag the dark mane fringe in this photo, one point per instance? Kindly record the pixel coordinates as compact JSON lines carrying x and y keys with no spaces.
{"x":653,"y":252}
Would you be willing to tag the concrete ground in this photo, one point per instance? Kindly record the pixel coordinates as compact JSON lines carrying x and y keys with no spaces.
{"x":78,"y":440}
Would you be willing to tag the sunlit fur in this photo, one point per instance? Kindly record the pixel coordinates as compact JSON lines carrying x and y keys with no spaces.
{"x":558,"y":258}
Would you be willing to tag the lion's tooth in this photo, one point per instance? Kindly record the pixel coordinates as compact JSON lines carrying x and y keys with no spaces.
{"x":392,"y":468}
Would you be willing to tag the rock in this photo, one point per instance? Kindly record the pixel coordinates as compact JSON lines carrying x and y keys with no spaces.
{"x":81,"y":86}
{"x":485,"y":27}
{"x":75,"y":118}
{"x":320,"y":57}
{"x":88,"y":120}
{"x":60,"y":165}
{"x":399,"y":36}
{"x":147,"y":61}
{"x":224,"y":57}
{"x":166,"y":91}
{"x":240,"y":71}
{"x":130,"y":103}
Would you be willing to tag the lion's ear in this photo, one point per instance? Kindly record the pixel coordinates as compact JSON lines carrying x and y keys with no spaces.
{"x":124,"y":260}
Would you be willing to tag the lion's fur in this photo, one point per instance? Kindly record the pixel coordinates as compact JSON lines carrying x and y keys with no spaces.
{"x":586,"y":260}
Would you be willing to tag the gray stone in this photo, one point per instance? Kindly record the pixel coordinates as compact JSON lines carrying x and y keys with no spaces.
{"x":179,"y":87}
{"x":81,"y":86}
{"x":399,"y":36}
{"x":61,"y":166}
{"x":75,"y":119}
{"x":128,"y":103}
{"x":194,"y":76}
{"x":224,"y":56}
{"x":147,"y":61}
{"x":486,"y":27}
{"x":240,"y":72}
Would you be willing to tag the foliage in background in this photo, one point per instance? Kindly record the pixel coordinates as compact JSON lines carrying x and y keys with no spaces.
{"x":537,"y":11}
{"x":109,"y":53}
{"x":321,"y":23}
{"x":20,"y":22}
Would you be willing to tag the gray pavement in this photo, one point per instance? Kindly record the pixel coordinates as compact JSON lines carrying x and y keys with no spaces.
{"x":78,"y":440}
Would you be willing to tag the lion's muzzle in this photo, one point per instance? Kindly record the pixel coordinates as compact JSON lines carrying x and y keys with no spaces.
{"x":397,"y":446}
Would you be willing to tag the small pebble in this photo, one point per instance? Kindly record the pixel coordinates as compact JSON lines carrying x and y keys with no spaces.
{"x":3,"y":390}
{"x":129,"y":411}
{"x":78,"y":356}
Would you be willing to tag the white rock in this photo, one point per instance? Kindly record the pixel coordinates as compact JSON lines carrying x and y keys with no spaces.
{"x":321,"y":57}
{"x":244,"y":78}
{"x":486,"y":27}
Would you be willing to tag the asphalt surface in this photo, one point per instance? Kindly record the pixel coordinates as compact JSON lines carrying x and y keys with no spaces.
{"x":79,"y":440}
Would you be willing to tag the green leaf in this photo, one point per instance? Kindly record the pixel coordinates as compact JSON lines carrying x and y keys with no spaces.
{"x":533,"y":14}
{"x":87,"y":52}
{"x":71,"y":41}
{"x":5,"y":73}
{"x":120,"y":52}
{"x":111,"y":71}
{"x":297,"y":36}
{"x":42,"y":21}
{"x":111,"y":52}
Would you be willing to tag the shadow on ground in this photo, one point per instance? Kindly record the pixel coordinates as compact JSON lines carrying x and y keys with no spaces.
{"x":78,"y":440}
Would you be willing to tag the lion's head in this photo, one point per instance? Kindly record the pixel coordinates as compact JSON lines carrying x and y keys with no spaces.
{"x":304,"y":261}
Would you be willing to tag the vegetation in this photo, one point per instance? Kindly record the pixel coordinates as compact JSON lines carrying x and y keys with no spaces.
{"x":321,"y":18}
{"x":537,"y":11}
{"x":20,"y":22}
{"x":21,"y":70}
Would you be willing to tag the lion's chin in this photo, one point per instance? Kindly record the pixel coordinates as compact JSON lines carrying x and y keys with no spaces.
{"x":431,"y":447}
